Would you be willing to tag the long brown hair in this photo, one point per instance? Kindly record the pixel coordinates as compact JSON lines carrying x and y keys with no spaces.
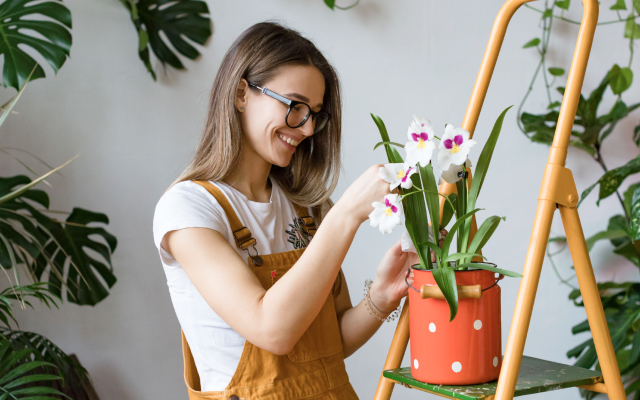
{"x":256,"y":55}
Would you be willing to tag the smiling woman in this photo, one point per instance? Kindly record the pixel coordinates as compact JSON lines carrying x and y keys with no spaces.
{"x":252,"y":245}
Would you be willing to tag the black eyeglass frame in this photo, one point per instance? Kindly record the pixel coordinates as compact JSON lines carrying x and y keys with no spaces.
{"x":291,"y":104}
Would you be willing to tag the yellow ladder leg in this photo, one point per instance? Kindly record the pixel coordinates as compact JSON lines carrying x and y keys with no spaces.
{"x":592,"y":303}
{"x":396,"y":353}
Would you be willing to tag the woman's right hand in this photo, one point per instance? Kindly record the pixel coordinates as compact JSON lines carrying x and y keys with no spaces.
{"x":369,"y":187}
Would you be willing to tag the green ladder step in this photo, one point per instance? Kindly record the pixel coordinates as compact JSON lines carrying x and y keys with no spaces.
{"x":535,"y":376}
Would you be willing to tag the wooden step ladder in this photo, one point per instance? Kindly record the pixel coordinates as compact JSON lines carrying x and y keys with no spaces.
{"x":521,"y":375}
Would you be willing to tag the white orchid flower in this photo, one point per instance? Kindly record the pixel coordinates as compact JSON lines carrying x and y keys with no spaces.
{"x":386,"y":215}
{"x":397,"y":174}
{"x":451,"y":175}
{"x":420,"y":146}
{"x":454,"y":147}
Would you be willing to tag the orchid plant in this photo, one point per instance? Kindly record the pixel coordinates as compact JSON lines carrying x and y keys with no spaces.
{"x":419,"y":196}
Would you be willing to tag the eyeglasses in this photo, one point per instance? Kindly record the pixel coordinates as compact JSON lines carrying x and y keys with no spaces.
{"x":298,"y":112}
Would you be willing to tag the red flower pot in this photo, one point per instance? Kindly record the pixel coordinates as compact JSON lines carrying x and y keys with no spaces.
{"x":465,"y":351}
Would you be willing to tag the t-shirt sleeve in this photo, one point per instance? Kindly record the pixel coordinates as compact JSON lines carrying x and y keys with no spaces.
{"x":186,"y":205}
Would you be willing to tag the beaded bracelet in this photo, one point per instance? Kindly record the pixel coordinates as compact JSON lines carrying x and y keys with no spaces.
{"x":391,"y":317}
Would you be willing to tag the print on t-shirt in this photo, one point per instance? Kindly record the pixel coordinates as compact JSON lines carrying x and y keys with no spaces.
{"x":299,"y":235}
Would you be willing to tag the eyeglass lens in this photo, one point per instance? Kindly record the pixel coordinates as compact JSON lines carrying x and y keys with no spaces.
{"x":300,"y":112}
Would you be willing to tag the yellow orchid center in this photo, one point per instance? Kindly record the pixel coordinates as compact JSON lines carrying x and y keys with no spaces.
{"x":388,"y":211}
{"x":400,"y":174}
{"x":454,"y":149}
{"x":420,"y":144}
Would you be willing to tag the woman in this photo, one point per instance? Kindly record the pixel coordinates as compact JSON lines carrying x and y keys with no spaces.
{"x":265,"y":311}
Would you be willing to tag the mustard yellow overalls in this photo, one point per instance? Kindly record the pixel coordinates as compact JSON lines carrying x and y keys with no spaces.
{"x":314,"y":369}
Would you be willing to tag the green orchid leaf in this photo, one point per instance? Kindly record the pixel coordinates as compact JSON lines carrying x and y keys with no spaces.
{"x":448,"y":210}
{"x":531,"y":43}
{"x":459,"y":256}
{"x":177,"y":20}
{"x":432,"y":197}
{"x":449,"y":238}
{"x":620,"y":5}
{"x":564,"y":4}
{"x":435,"y":249}
{"x":491,"y":268}
{"x":611,"y":180}
{"x":392,"y":154}
{"x":485,"y":159}
{"x":620,"y":79}
{"x":556,"y":71}
{"x":481,"y":170}
{"x":445,"y":277}
{"x":484,"y":233}
{"x":636,"y":135}
{"x":54,"y":48}
{"x":393,"y":143}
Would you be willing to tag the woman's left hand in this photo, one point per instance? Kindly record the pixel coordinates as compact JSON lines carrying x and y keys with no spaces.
{"x":389,"y":287}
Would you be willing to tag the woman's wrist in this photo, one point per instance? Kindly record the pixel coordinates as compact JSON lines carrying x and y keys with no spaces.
{"x":381,"y":301}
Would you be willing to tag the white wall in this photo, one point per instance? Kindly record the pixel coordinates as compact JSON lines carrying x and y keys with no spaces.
{"x":395,"y":59}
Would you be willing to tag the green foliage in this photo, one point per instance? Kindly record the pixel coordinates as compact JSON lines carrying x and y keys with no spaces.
{"x":53,"y":248}
{"x":531,"y":43}
{"x":589,"y":129}
{"x":54,"y":48}
{"x":17,"y":377}
{"x":177,"y":20}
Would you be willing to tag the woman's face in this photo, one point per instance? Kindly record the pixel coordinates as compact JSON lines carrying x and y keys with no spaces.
{"x":263,"y":118}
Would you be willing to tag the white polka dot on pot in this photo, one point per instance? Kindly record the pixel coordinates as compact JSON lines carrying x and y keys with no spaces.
{"x":495,"y":361}
{"x":432,"y":327}
{"x":477,"y":325}
{"x":456,"y":367}
{"x":416,"y":364}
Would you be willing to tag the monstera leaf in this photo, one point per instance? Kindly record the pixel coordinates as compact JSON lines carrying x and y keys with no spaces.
{"x":18,"y":64}
{"x":53,"y":249}
{"x":175,"y":18}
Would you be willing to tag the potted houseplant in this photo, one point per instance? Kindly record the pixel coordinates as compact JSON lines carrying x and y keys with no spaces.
{"x":444,"y":349}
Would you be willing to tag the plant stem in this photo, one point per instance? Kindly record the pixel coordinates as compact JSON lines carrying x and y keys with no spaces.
{"x":576,"y":22}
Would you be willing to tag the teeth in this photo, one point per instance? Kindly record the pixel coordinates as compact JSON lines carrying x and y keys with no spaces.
{"x":289,"y":140}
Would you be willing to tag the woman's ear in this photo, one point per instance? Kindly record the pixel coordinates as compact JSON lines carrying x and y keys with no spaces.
{"x":241,"y":94}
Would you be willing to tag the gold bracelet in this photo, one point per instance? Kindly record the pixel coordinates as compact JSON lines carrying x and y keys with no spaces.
{"x":391,"y":317}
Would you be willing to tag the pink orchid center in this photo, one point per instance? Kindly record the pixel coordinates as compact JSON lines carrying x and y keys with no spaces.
{"x":404,"y":178}
{"x":391,"y":209}
{"x":453,"y":145}
{"x":421,"y":138}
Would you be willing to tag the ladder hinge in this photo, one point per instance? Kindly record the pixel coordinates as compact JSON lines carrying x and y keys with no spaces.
{"x":558,"y":186}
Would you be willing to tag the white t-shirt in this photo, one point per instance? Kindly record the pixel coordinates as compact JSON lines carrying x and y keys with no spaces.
{"x":215,"y":346}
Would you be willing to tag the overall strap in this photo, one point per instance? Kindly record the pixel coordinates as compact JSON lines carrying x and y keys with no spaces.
{"x":241,"y":233}
{"x":308,"y":221}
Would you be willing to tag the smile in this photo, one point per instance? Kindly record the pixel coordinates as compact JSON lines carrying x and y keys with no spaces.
{"x":288,"y":140}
